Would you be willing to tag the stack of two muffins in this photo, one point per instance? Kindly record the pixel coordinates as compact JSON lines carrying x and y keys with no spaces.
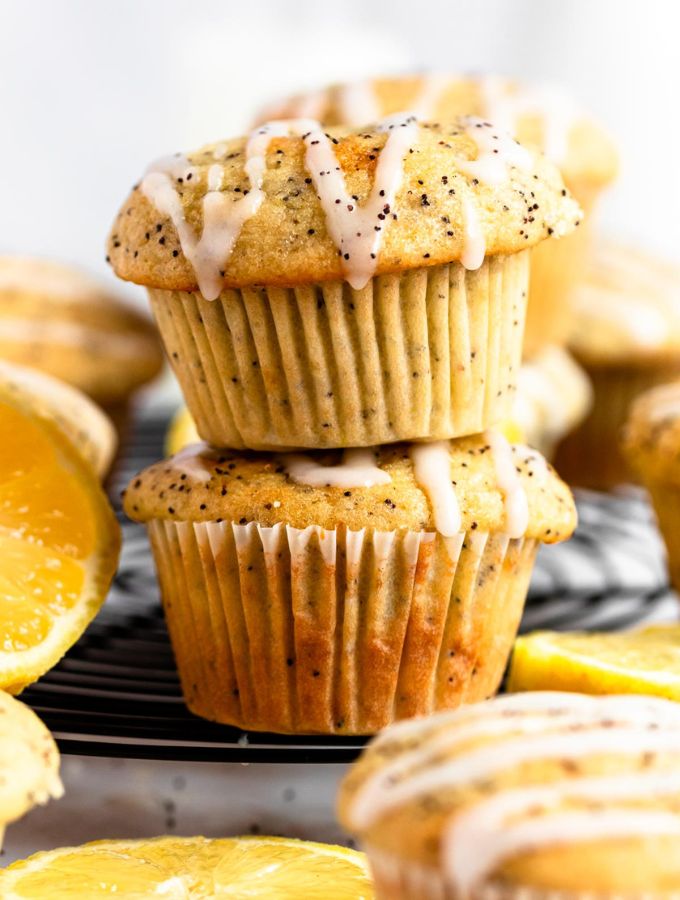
{"x":323,"y":290}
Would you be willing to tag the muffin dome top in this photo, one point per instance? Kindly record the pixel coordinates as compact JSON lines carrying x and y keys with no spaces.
{"x":651,"y":438}
{"x":537,"y":115}
{"x":474,"y":483}
{"x":294,"y":204}
{"x":537,"y":790}
{"x":69,"y":324}
{"x":29,"y":760}
{"x":627,"y":308}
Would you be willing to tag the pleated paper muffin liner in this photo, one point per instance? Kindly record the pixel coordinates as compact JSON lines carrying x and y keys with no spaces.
{"x":556,"y":268}
{"x":427,"y":354}
{"x":399,"y":879}
{"x":336,"y":631}
{"x":590,"y":456}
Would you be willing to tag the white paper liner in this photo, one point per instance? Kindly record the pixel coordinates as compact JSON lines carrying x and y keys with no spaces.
{"x":429,"y":354}
{"x":336,"y":631}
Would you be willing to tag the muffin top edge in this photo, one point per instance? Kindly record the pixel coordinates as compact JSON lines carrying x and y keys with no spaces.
{"x":389,"y":488}
{"x":296,"y":204}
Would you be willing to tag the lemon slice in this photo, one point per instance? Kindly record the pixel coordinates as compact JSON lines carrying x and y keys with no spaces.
{"x":181,"y":433}
{"x":59,"y":544}
{"x":636,"y":662}
{"x":81,"y":420}
{"x":183,"y":868}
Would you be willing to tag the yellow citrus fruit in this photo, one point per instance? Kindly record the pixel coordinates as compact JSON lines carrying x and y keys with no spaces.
{"x":181,"y":433}
{"x":82,"y":421}
{"x":187,"y":868}
{"x":637,"y":662}
{"x":513,"y":431}
{"x":59,"y":544}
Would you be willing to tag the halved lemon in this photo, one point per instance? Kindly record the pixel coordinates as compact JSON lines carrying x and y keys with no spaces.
{"x":59,"y":544}
{"x":181,"y":433}
{"x":636,"y":662}
{"x":82,"y":421}
{"x":184,"y":868}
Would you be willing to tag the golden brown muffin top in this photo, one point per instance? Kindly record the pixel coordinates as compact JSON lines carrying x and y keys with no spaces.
{"x":627,"y":308}
{"x":538,"y":115}
{"x":29,"y":760}
{"x":336,"y":204}
{"x":63,"y":321}
{"x":201,"y":484}
{"x":651,"y":437}
{"x":550,"y":791}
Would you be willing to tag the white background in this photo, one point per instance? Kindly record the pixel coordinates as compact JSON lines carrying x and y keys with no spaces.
{"x":91,"y":91}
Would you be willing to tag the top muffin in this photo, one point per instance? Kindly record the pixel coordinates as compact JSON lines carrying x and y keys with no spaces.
{"x":273,"y":208}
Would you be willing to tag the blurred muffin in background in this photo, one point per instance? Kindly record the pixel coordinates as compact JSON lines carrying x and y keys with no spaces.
{"x":540,"y":116}
{"x":534,"y":796}
{"x":342,"y":289}
{"x":64,"y":322}
{"x":627,"y":337}
{"x":334,"y":592}
{"x":553,"y":397}
{"x":651,"y":444}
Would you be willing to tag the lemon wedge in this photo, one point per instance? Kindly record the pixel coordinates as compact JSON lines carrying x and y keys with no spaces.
{"x":646,"y":661}
{"x":59,"y":544}
{"x":187,"y":868}
{"x":89,"y":429}
{"x":181,"y":433}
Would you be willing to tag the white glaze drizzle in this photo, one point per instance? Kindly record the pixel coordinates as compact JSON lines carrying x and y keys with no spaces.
{"x":447,"y":731}
{"x":497,"y":153}
{"x":432,"y":469}
{"x":357,"y":469}
{"x":481,"y":838}
{"x":357,"y":103}
{"x":474,"y":242}
{"x":223,"y":216}
{"x":509,"y":482}
{"x":190,"y":460}
{"x":357,"y":230}
{"x":556,"y":109}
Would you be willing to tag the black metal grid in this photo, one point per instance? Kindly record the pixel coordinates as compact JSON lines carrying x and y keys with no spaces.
{"x":116,"y":693}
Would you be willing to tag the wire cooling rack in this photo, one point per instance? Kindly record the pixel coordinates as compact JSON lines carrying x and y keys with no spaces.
{"x":116,"y":693}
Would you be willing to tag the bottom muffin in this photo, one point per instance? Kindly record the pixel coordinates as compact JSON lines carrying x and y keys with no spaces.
{"x":334,"y":593}
{"x":523,"y":797}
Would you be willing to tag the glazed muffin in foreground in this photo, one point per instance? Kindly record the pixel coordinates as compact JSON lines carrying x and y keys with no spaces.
{"x":553,"y":396}
{"x":537,"y":115}
{"x":627,"y":338}
{"x":651,"y":444}
{"x":348,"y":288}
{"x":62,"y":321}
{"x":334,"y":594}
{"x":524,"y":797}
{"x":29,"y":762}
